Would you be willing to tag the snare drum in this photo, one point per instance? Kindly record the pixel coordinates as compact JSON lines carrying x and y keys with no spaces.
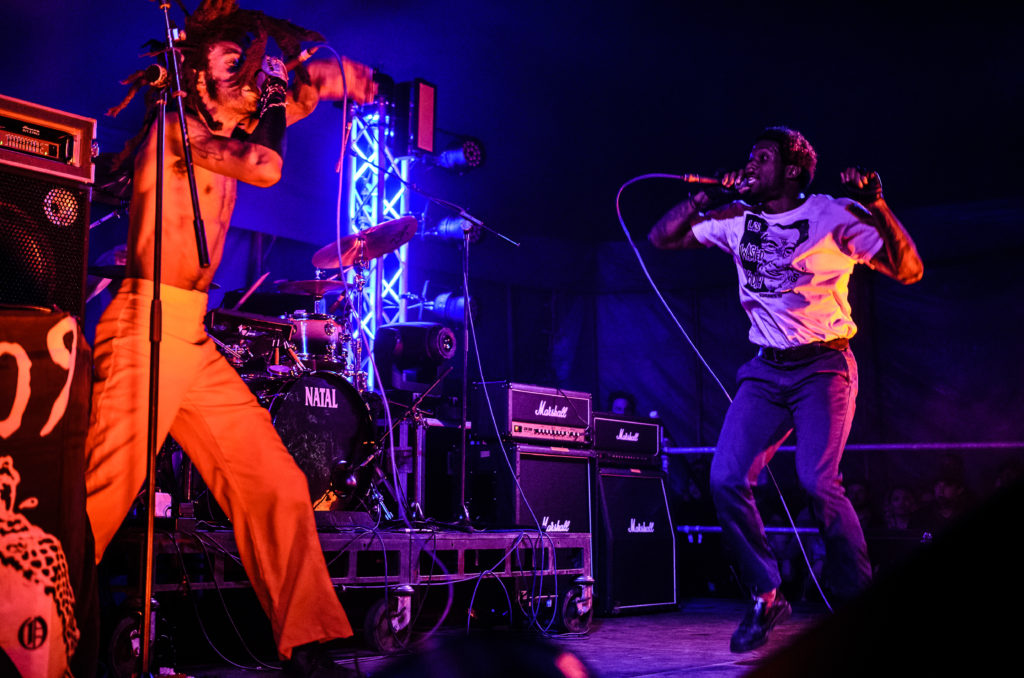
{"x":320,"y":340}
{"x":328,"y":428}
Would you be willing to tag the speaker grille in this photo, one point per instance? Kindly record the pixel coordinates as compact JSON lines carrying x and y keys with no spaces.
{"x":43,"y":236}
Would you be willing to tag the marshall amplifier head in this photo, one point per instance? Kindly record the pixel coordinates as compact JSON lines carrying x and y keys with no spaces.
{"x":620,"y":439}
{"x":532,"y":413}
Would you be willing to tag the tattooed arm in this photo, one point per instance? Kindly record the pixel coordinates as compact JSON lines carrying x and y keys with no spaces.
{"x":245,"y":161}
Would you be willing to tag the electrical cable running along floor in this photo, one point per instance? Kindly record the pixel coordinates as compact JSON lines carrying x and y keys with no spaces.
{"x":692,"y":640}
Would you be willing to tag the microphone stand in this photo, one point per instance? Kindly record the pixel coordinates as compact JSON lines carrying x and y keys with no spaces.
{"x":463,"y":517}
{"x":156,"y":320}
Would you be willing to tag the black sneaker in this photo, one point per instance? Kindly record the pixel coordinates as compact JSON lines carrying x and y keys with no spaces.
{"x":313,"y":661}
{"x":753,"y":631}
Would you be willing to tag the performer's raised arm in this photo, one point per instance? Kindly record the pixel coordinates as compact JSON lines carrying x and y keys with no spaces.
{"x":898,"y":257}
{"x":328,"y":84}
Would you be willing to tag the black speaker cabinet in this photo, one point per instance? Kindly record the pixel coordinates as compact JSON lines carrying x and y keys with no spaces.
{"x":45,"y":169}
{"x":43,"y":229}
{"x":635,"y":542}
{"x":556,"y":484}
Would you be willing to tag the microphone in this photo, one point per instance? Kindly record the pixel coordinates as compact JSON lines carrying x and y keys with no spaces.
{"x":699,"y":179}
{"x":718,"y":193}
{"x":303,"y":57}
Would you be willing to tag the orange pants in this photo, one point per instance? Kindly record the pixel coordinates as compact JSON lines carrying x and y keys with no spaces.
{"x":231,"y":441}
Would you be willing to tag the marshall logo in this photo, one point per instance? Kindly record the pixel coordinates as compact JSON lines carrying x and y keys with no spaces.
{"x":545,"y":411}
{"x":640,"y":528}
{"x":321,"y":397}
{"x":555,"y":526}
{"x":628,"y":437}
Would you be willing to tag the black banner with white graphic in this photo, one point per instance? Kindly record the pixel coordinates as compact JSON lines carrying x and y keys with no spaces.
{"x":48,"y":621}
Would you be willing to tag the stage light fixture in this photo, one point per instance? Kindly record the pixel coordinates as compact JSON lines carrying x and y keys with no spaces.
{"x":409,"y":355}
{"x":449,"y":307}
{"x":415,"y":106}
{"x":454,"y":227}
{"x":467,"y":154}
{"x":414,"y":345}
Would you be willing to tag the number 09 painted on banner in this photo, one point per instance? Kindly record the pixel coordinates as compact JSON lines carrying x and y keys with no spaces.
{"x":61,"y":357}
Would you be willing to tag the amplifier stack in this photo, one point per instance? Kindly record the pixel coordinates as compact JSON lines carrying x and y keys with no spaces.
{"x":45,"y":174}
{"x":634,"y":543}
{"x":534,"y":439}
{"x":541,"y":456}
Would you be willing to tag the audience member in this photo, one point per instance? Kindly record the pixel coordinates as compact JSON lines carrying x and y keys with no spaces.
{"x":621,"y":402}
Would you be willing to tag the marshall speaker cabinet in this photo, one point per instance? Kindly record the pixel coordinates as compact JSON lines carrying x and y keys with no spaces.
{"x":627,"y":441}
{"x":45,"y":171}
{"x":532,"y":414}
{"x":634,"y":543}
{"x":556,"y":484}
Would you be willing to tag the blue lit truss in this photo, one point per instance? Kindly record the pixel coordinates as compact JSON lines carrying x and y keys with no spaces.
{"x":376,"y":196}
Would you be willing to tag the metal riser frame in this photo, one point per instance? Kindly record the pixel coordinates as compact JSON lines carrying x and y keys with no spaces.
{"x":356,"y":557}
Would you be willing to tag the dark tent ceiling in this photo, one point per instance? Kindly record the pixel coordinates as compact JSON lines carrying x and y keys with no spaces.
{"x":573,"y":99}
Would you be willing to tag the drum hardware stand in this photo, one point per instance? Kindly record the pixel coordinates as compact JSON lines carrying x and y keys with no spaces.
{"x":237,"y":355}
{"x":376,"y":497}
{"x":358,"y":375}
{"x":156,"y":317}
{"x":416,"y":414}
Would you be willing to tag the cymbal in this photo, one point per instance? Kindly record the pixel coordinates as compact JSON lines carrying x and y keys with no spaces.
{"x":317,"y":288}
{"x":371,"y":243}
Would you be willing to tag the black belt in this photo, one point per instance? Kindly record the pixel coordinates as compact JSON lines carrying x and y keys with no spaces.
{"x":798,"y":353}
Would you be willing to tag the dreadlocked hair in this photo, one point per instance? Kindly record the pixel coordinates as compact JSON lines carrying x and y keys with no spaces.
{"x":214,"y":21}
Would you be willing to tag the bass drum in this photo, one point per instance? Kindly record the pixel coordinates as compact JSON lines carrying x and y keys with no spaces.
{"x":328,"y":428}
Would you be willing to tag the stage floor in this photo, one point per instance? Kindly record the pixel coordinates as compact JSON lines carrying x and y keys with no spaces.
{"x":690,"y":641}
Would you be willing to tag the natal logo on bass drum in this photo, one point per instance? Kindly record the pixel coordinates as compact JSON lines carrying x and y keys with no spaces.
{"x":321,"y":397}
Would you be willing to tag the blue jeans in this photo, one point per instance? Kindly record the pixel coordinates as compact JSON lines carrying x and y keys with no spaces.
{"x":814,"y":396}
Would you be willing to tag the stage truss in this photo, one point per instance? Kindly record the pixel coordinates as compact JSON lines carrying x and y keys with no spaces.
{"x":377,"y":192}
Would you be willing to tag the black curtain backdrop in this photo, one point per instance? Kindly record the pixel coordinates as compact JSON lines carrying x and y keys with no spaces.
{"x":937,"y":361}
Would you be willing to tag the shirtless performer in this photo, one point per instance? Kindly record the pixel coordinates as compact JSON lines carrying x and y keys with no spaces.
{"x":238,"y":106}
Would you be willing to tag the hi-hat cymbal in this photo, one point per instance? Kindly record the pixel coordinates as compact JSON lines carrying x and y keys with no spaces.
{"x":374,"y":242}
{"x":317,"y":288}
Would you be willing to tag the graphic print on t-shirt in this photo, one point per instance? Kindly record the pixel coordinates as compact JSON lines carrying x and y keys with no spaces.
{"x":766,"y":251}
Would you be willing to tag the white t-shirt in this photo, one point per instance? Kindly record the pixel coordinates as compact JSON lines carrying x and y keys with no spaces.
{"x":794,"y":267}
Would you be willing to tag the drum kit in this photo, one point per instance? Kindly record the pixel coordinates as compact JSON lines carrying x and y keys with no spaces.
{"x":303,"y":365}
